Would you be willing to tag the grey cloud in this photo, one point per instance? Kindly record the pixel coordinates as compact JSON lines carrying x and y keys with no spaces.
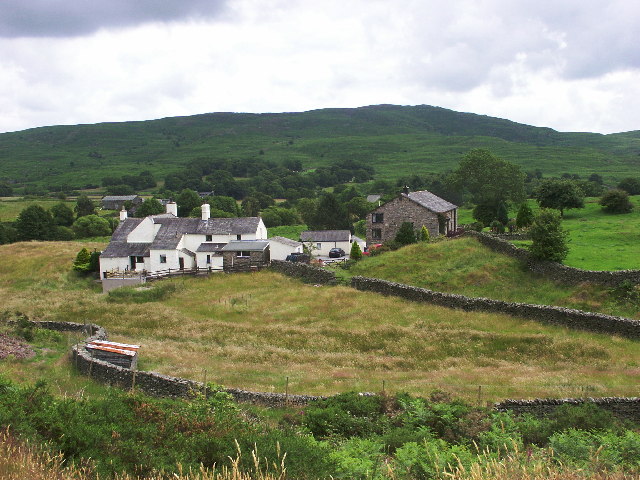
{"x":71,"y":18}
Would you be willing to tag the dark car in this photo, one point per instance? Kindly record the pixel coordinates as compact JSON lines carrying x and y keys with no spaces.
{"x":336,"y":253}
{"x":298,"y":257}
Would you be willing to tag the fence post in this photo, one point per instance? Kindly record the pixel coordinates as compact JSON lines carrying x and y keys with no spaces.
{"x":479,"y":394}
{"x":204,"y":382}
{"x":286,"y":392}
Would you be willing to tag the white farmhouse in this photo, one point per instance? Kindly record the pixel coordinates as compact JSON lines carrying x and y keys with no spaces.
{"x":162,"y":242}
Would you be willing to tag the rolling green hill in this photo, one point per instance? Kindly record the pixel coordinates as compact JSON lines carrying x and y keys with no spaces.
{"x":396,"y":140}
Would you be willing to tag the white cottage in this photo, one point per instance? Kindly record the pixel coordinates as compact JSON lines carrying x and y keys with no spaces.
{"x":321,"y":241}
{"x":162,"y":242}
{"x":282,"y":247}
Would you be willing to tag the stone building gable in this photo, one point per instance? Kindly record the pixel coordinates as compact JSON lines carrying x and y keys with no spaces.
{"x":403,"y":209}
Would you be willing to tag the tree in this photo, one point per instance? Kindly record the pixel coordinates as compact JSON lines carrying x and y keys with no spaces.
{"x":356,"y":252}
{"x":62,"y":215}
{"x":559,"y":195}
{"x":329,"y":215}
{"x":187,"y":200}
{"x":489,"y":180}
{"x":549,"y":239}
{"x":34,"y":223}
{"x":502,"y":213}
{"x":525,"y":216}
{"x":616,"y":201}
{"x":5,"y":190}
{"x":91,"y":226}
{"x":150,"y":206}
{"x":406,"y":235}
{"x":84,"y":206}
{"x":630,"y":185}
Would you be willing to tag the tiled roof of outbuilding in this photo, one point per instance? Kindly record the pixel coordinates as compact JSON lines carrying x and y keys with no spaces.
{"x":325,"y":236}
{"x":285,"y":241}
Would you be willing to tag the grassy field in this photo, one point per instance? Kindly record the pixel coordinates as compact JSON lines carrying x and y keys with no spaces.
{"x":11,"y":207}
{"x":597,"y":240}
{"x":466,"y":267}
{"x":254,"y":331}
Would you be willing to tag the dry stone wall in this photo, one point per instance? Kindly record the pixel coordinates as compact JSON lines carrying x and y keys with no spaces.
{"x":556,"y":271}
{"x":597,"y":322}
{"x":304,"y":272}
{"x":625,"y":407}
{"x":157,"y":384}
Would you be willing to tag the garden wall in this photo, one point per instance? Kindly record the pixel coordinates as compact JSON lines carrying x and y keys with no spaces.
{"x":304,"y":272}
{"x":556,"y":271}
{"x":596,"y":322}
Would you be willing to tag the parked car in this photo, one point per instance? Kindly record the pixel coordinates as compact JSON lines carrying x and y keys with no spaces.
{"x":298,"y":257}
{"x":369,"y":248}
{"x":336,"y":253}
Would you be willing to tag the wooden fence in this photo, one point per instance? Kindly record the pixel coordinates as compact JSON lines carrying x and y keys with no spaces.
{"x":158,"y":274}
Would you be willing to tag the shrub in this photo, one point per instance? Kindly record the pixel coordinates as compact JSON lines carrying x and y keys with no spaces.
{"x":82,"y":261}
{"x":91,"y":226}
{"x":356,"y":253}
{"x":616,"y":201}
{"x":406,"y":235}
{"x":525,"y":216}
{"x":549,"y":239}
{"x":425,"y":236}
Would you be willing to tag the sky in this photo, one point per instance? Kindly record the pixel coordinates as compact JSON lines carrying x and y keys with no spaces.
{"x":572,"y":65}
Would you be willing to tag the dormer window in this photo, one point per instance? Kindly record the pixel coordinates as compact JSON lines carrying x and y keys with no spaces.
{"x":238,"y":237}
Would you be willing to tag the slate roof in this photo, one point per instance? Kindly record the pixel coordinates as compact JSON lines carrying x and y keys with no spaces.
{"x":118,"y":246}
{"x":245,"y":246}
{"x":325,"y":236}
{"x":119,"y":198}
{"x":172,"y":229}
{"x":285,"y":241}
{"x":430,"y":201}
{"x":210,"y":247}
{"x":373,"y":198}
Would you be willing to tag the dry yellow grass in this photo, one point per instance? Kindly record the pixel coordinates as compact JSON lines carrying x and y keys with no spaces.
{"x":253,"y":331}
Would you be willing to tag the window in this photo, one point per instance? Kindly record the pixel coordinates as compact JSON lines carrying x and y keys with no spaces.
{"x":139,"y":259}
{"x":319,"y":246}
{"x":243,"y":254}
{"x":208,"y":238}
{"x":377,"y":217}
{"x":163,"y":259}
{"x":208,"y":259}
{"x":376,"y":233}
{"x":238,"y":237}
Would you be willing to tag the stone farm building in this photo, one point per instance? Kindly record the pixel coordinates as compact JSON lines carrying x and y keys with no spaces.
{"x":162,"y":242}
{"x":116,"y":202}
{"x":419,"y":208}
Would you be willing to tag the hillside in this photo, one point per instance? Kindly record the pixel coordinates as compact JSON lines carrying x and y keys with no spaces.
{"x":396,"y":140}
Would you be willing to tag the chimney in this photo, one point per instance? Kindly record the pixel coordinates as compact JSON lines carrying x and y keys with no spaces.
{"x":406,"y":190}
{"x":172,"y":208}
{"x":206,"y":211}
{"x":123,"y":214}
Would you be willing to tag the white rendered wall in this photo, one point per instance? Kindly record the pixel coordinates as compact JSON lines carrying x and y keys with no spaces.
{"x":143,"y":233}
{"x":279,"y":251}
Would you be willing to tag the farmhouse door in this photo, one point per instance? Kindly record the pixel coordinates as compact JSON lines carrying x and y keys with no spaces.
{"x":181,"y":263}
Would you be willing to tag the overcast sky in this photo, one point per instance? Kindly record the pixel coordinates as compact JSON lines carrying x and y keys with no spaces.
{"x":572,"y":65}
